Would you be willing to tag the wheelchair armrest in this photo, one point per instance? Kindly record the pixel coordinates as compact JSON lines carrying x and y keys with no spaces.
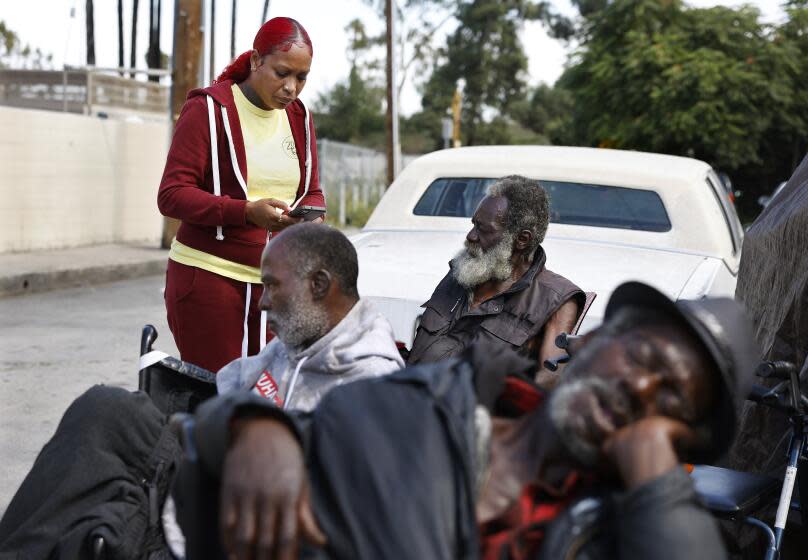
{"x":188,"y":369}
{"x":173,"y":385}
{"x":729,"y":493}
{"x":177,"y":386}
{"x":147,"y":337}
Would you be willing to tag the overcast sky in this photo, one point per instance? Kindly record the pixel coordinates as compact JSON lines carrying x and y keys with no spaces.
{"x":48,"y":25}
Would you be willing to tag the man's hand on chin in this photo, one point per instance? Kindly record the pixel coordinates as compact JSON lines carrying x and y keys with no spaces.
{"x":645,"y":450}
{"x":264,"y":502}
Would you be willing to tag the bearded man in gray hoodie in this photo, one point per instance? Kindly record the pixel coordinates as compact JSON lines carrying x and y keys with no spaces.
{"x":325,"y":334}
{"x":88,"y":481}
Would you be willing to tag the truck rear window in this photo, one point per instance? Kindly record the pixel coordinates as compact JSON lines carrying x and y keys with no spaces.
{"x":570,"y":203}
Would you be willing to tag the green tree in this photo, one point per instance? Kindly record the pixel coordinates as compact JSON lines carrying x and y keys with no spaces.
{"x":485,"y":52}
{"x":656,"y":76}
{"x":352,"y":111}
{"x":546,"y":111}
{"x":785,"y":142}
{"x":715,"y":84}
{"x":417,"y":23}
{"x":791,"y":120}
{"x":15,"y":54}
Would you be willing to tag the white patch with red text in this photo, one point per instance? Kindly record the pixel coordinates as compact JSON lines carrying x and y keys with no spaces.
{"x":268,"y":388}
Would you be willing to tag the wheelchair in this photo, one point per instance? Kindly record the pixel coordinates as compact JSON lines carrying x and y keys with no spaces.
{"x":739,"y":496}
{"x":173,"y":385}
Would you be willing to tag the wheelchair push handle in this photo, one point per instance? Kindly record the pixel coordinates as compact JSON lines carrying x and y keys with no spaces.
{"x":147,"y":338}
{"x":566,"y":342}
{"x":553,"y":363}
{"x":776,"y":370}
{"x":759,"y":394}
{"x":776,"y":397}
{"x":786,"y":395}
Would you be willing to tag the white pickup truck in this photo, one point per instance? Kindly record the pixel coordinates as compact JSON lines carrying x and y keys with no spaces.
{"x":615,"y":216}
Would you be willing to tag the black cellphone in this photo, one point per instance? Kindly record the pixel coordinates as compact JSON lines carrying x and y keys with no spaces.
{"x":308,"y":213}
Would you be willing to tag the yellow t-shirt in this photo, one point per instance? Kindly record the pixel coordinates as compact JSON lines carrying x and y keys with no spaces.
{"x":189,"y":256}
{"x":273,"y":168}
{"x":272,"y":172}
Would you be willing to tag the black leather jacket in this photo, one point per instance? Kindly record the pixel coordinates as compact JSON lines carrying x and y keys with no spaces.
{"x":509,"y":320}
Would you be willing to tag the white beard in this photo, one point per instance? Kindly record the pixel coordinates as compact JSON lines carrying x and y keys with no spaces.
{"x":563,"y":417}
{"x":472,"y":266}
{"x":299,"y":322}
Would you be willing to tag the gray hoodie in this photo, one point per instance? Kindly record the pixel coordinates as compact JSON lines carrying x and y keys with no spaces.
{"x":361,"y":345}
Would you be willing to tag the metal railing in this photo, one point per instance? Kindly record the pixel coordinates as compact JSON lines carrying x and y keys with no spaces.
{"x":353,"y":177}
{"x":88,"y":90}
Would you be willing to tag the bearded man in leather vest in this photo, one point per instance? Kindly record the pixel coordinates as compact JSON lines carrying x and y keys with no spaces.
{"x":498,"y":288}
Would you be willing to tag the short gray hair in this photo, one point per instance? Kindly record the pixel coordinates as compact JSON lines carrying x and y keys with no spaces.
{"x":320,"y":247}
{"x":528,"y":206}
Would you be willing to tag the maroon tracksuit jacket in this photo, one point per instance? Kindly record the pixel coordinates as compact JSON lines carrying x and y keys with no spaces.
{"x":207,"y":313}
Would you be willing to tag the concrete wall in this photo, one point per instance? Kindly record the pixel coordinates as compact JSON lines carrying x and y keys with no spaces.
{"x":70,"y":180}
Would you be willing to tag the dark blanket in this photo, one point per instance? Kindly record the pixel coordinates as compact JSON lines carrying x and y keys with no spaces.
{"x":773,"y":284}
{"x":103,"y":474}
{"x":389,"y":460}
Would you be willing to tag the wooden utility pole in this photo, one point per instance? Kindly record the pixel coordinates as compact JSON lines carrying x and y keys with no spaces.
{"x":457,"y":106}
{"x":133,"y":51}
{"x":153,"y":54}
{"x":90,"y":19}
{"x":157,"y":28}
{"x":212,"y":40}
{"x":187,"y":46}
{"x":188,"y":43}
{"x":233,"y":13}
{"x":120,"y":35}
{"x":265,"y":12}
{"x":391,"y":116}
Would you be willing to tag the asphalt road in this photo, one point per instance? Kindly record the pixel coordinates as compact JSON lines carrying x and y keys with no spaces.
{"x":54,"y":346}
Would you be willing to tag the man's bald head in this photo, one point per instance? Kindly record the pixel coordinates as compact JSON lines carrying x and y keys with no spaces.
{"x":310,"y":247}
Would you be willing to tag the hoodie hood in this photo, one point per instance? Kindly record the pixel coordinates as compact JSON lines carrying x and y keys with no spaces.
{"x":222,"y":94}
{"x":363,"y":334}
{"x":359,"y":346}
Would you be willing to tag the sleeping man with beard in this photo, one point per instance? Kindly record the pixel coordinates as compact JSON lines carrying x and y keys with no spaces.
{"x":455,"y":459}
{"x":498,"y":287}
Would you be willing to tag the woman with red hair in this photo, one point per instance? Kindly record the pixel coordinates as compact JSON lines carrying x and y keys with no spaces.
{"x":243,"y":154}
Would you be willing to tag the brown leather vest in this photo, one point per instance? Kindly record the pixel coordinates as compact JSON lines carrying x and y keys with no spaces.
{"x":513,"y":317}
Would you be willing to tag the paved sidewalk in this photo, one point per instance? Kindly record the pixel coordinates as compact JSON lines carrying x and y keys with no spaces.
{"x":39,"y":271}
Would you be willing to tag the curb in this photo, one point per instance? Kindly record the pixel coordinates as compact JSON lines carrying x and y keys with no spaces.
{"x":33,"y":282}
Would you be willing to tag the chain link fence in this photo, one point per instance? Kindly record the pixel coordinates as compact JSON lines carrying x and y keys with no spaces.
{"x":353,"y":179}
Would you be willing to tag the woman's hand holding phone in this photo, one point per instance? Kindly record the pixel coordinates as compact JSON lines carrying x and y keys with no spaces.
{"x":270,"y":214}
{"x":309,"y":213}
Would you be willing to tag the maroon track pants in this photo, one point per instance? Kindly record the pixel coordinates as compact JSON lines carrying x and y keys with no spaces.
{"x":206,"y":315}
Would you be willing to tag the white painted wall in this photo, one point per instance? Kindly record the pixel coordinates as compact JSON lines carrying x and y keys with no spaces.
{"x":71,"y":180}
